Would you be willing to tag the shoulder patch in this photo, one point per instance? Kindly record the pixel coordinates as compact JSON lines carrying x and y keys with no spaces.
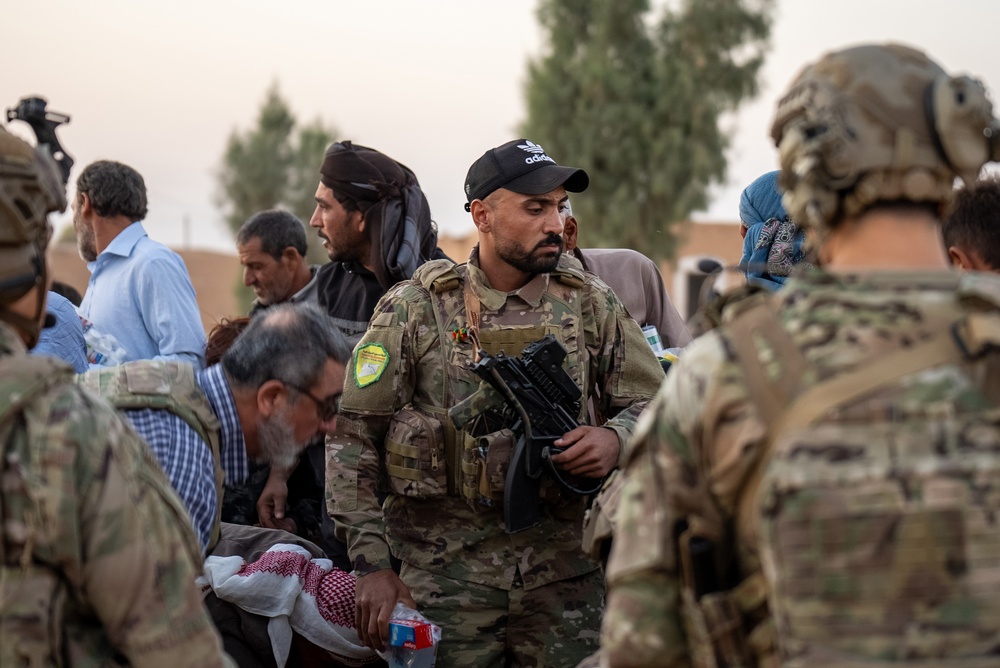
{"x":370,"y":361}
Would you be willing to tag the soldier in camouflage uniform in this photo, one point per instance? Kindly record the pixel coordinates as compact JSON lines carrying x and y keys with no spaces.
{"x":817,"y":481}
{"x":414,"y":417}
{"x":97,"y":558}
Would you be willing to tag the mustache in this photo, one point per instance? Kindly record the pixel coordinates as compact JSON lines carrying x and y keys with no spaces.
{"x":322,"y":236}
{"x":551,"y":240}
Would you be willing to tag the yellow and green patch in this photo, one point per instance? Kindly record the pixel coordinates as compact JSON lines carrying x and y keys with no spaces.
{"x":370,"y":361}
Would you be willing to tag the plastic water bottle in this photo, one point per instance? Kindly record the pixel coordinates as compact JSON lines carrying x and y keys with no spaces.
{"x":102,"y":349}
{"x":653,"y":338}
{"x":412,"y":639}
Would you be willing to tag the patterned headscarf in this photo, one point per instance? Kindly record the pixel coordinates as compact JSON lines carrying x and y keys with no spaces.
{"x":397,"y":215}
{"x":773,"y":243}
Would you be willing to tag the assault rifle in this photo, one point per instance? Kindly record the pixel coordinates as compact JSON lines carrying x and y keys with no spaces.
{"x":545,"y":402}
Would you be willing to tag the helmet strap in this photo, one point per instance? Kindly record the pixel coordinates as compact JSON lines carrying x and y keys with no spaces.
{"x":32,"y":327}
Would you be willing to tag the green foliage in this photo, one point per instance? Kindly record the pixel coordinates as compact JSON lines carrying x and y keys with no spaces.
{"x":635,"y":97}
{"x":273,"y":165}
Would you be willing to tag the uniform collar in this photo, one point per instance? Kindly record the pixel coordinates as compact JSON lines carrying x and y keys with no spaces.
{"x":531,"y":292}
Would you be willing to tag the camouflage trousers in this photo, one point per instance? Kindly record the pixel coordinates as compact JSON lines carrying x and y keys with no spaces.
{"x":554,"y":625}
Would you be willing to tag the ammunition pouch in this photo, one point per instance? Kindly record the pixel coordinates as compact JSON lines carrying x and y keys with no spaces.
{"x":415,"y":455}
{"x":495,"y":451}
{"x":484,"y":468}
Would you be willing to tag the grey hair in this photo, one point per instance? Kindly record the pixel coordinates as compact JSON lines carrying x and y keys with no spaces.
{"x":277,"y":230}
{"x":287,"y":342}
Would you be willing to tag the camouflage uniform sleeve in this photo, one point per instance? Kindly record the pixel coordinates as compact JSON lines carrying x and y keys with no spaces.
{"x":371,"y":397}
{"x":139,"y":556}
{"x":626,"y":370}
{"x":352,"y":494}
{"x":675,"y":466}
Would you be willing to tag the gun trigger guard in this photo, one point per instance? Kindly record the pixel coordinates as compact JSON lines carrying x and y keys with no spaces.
{"x":535,"y":475}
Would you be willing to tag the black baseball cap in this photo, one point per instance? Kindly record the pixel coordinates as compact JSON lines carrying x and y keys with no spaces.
{"x":522,"y":166}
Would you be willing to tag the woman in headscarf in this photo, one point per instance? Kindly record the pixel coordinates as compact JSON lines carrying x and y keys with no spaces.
{"x":772,"y":243}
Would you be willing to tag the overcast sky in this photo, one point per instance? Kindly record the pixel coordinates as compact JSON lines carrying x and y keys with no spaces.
{"x":432,"y":83}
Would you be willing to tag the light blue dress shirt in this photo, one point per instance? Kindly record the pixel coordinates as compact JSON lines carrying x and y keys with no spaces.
{"x":65,"y":339}
{"x":140,"y":293}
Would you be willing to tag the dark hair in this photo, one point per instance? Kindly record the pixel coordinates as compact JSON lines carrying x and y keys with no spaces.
{"x":277,"y":230}
{"x":288,"y":342}
{"x":114,"y":189}
{"x":974,"y":222}
{"x":222,"y":336}
{"x":349,"y":203}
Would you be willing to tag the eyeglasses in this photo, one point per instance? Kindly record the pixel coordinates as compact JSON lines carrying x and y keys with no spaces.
{"x":327,"y":409}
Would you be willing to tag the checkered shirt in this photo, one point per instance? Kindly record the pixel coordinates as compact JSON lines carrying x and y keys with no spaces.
{"x":186,"y":459}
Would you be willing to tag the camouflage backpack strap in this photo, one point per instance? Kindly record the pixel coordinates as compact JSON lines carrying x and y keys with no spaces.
{"x":440,"y":277}
{"x":772,"y":368}
{"x":771,"y":363}
{"x":22,"y":378}
{"x":570,"y":272}
{"x":164,"y":385}
{"x":969,"y":338}
{"x":711,"y":314}
{"x":569,"y":275}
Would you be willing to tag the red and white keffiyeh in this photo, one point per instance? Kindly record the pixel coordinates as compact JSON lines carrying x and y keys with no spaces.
{"x":297,"y":593}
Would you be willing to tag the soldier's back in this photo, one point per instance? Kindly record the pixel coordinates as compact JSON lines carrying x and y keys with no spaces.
{"x":866,"y":508}
{"x":874,"y":512}
{"x":97,"y":558}
{"x":861,"y":529}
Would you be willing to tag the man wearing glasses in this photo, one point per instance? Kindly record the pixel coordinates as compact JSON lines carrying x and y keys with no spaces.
{"x":274,"y":391}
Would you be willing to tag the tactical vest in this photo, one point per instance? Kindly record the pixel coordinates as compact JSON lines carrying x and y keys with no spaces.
{"x":866,"y":530}
{"x":22,"y":379}
{"x":442,"y":444}
{"x":164,"y":385}
{"x":35,"y":598}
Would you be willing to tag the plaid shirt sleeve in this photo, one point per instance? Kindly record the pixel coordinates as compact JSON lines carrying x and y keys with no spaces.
{"x":187,"y":461}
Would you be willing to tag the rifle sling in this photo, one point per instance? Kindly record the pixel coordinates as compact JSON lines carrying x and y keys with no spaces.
{"x":472,"y":309}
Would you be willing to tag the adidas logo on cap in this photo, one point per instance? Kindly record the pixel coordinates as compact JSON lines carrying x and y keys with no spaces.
{"x":521,"y":166}
{"x":538,"y":153}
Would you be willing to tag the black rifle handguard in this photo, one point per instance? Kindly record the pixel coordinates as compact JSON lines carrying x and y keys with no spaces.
{"x":545,"y":401}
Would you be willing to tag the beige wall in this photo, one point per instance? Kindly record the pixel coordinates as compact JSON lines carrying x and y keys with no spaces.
{"x":214,"y":275}
{"x":718,"y":240}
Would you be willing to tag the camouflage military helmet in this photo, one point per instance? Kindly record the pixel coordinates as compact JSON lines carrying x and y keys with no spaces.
{"x":30,"y":188}
{"x":878,"y":123}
